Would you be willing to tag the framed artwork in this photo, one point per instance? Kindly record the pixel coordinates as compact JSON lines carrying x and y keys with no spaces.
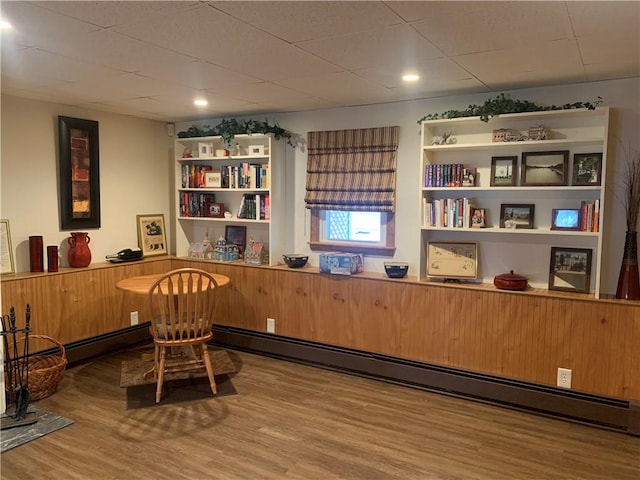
{"x":215,"y":210}
{"x":79,"y":161}
{"x":570,"y":269}
{"x":6,"y":251}
{"x":453,"y":260}
{"x":587,"y":169}
{"x":152,"y":238}
{"x":503,"y":171}
{"x":213,"y":179}
{"x":478,"y":218}
{"x":516,"y":215}
{"x":237,"y":235}
{"x":566,"y":219}
{"x":256,"y":150}
{"x":545,"y":168}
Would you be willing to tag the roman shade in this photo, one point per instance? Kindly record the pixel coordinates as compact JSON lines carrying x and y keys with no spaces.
{"x":352,"y":170}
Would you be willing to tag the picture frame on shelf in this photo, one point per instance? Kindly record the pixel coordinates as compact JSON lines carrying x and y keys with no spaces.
{"x":478,"y":218}
{"x":452,"y":260}
{"x":215,"y":210}
{"x":569,"y":219}
{"x":517,"y":215}
{"x":545,"y":168}
{"x":570,"y":269}
{"x":587,"y":169}
{"x":6,"y":250}
{"x":255,"y":150}
{"x":469,"y":176}
{"x":503,"y":171}
{"x":79,"y":167}
{"x":152,"y":239}
{"x":237,"y":235}
{"x":213,"y":179}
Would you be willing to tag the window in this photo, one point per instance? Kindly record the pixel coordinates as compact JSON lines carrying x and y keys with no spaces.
{"x":351,"y":177}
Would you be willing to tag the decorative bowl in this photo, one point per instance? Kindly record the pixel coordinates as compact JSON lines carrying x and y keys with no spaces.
{"x":396,"y":269}
{"x":510,"y":281}
{"x":295,"y":260}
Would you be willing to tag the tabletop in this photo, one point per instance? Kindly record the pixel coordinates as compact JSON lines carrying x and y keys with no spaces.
{"x":141,"y":284}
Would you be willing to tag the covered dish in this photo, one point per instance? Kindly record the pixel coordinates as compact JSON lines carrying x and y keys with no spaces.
{"x":510,"y":281}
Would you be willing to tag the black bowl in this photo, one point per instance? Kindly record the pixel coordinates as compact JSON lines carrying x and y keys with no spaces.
{"x":396,"y":269}
{"x":295,"y":260}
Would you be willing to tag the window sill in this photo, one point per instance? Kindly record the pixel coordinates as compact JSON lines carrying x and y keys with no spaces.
{"x":350,"y":248}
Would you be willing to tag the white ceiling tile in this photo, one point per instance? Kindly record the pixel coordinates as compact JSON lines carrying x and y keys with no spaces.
{"x":590,"y":18}
{"x":611,"y":47}
{"x":414,"y":11}
{"x":199,"y":75}
{"x":301,"y":21}
{"x":262,"y":93}
{"x":439,"y":70}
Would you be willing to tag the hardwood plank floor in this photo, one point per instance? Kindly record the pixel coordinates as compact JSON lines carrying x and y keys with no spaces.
{"x":291,"y":421}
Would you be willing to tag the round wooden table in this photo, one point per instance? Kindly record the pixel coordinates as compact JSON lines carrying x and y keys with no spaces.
{"x":141,"y":284}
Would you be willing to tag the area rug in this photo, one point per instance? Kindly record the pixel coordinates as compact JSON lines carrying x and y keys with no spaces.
{"x":178,"y":387}
{"x":48,"y":422}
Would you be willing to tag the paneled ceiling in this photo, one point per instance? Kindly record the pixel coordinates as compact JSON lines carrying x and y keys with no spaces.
{"x":151,"y":59}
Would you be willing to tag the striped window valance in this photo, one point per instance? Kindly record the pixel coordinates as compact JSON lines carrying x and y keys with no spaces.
{"x":352,"y":169}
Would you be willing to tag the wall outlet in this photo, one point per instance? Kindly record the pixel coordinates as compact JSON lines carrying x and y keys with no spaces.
{"x":271,"y":325}
{"x":134,"y":318}
{"x":564,"y":377}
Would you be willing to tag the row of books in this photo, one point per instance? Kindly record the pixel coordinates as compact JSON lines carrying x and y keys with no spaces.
{"x":255,"y":207}
{"x":449,"y":175}
{"x":590,"y":212}
{"x":448,"y":212}
{"x":199,"y":205}
{"x":243,"y":175}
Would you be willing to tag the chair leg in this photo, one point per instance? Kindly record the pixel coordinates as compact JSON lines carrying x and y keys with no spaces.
{"x":207,"y":363}
{"x":160,"y":372}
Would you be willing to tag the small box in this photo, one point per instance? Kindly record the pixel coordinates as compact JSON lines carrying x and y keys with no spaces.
{"x":339,"y":263}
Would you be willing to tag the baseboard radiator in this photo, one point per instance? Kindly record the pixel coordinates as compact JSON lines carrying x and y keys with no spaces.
{"x":594,"y":410}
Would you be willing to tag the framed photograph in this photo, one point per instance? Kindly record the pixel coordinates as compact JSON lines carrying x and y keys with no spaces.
{"x":566,"y":219}
{"x":237,"y":235}
{"x":6,"y":251}
{"x":516,"y":215}
{"x":503,"y":171}
{"x":213,"y":179}
{"x":152,"y":238}
{"x":587,"y":169}
{"x":79,"y":161}
{"x":478,"y":218}
{"x":454,"y":260}
{"x":256,"y":150}
{"x":215,"y":210}
{"x":545,"y":168}
{"x":469,"y":177}
{"x":570,"y":269}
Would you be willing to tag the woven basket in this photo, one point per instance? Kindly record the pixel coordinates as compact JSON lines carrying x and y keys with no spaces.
{"x":46,"y":371}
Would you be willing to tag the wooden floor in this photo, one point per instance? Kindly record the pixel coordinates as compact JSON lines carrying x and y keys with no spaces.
{"x":290,"y":421}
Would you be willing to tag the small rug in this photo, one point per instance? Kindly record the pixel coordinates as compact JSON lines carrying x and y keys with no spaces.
{"x":47,"y":422}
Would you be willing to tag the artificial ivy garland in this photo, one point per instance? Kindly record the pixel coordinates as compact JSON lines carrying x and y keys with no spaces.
{"x":503,"y":104}
{"x":229,"y":128}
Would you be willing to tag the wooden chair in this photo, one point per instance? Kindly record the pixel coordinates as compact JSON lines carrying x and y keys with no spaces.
{"x":182,"y":304}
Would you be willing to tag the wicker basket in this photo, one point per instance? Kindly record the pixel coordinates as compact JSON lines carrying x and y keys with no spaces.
{"x":46,"y":371}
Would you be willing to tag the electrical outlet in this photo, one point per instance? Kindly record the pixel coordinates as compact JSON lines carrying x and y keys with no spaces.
{"x":134,"y":318}
{"x":271,"y":325}
{"x":564,"y":377}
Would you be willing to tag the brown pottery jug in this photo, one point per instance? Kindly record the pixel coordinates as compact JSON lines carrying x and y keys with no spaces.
{"x":79,"y":254}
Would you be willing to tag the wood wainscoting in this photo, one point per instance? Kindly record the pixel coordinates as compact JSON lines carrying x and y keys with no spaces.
{"x":516,"y":336}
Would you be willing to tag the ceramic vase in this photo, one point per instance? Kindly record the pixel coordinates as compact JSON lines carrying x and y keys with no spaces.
{"x":79,"y":254}
{"x":629,"y":280}
{"x":36,"y":254}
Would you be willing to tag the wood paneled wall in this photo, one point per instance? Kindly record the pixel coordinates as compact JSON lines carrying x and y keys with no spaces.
{"x":508,"y":334}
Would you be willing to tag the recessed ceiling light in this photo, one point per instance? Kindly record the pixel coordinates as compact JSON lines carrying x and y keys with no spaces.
{"x":4,"y":25}
{"x":200,"y":102}
{"x":412,"y":77}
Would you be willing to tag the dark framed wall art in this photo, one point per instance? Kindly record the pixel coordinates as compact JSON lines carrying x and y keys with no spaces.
{"x":79,"y":162}
{"x":545,"y":168}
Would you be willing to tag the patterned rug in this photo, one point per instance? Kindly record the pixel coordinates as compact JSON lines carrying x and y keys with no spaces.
{"x":47,"y":422}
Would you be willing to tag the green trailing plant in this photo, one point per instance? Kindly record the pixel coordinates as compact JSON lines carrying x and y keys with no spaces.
{"x":502,"y":104}
{"x":229,"y":128}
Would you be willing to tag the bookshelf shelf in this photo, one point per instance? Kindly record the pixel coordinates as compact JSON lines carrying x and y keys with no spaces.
{"x":527,"y":251}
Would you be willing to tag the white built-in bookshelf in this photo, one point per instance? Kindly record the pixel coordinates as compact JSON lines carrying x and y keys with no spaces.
{"x":526,"y":251}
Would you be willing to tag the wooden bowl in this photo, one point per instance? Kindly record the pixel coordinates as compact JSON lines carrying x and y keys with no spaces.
{"x":510,"y":281}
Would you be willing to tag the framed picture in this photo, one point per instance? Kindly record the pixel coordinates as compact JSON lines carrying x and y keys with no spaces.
{"x":152,"y":238}
{"x":215,"y":210}
{"x":454,"y":260}
{"x":570,"y":269}
{"x":237,"y":235}
{"x":79,"y":161}
{"x":503,"y":171}
{"x":6,"y":251}
{"x":469,"y":177}
{"x":587,"y":169}
{"x":516,"y":215}
{"x":566,"y":219}
{"x":478,"y":218}
{"x":545,"y":168}
{"x":213,"y":179}
{"x":256,"y":150}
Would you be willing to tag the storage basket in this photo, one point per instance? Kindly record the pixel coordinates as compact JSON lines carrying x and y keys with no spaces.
{"x":46,"y":371}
